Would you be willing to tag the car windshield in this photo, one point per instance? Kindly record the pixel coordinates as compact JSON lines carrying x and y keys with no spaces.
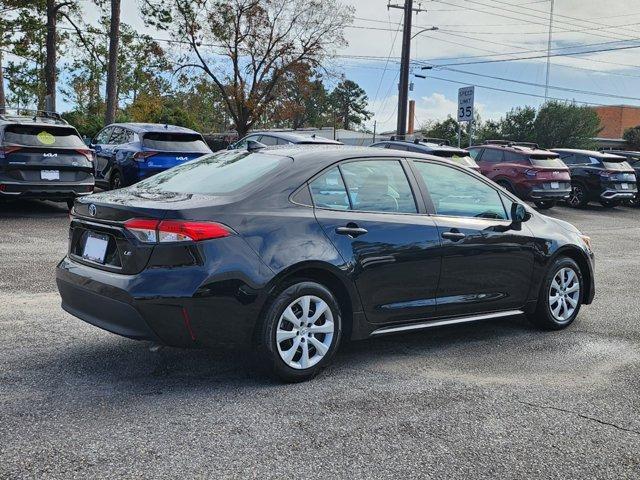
{"x":617,"y":165}
{"x":222,"y":173}
{"x":552,"y":161}
{"x":42,"y":136}
{"x":174,"y":142}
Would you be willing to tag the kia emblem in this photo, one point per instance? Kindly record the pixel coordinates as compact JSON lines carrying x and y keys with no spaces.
{"x":92,"y":210}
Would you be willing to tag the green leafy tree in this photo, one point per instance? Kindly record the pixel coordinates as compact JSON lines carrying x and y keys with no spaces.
{"x":247,"y":47}
{"x":446,"y":130}
{"x":349,"y":103}
{"x":568,"y":125}
{"x":519,"y":125}
{"x":632,"y":137}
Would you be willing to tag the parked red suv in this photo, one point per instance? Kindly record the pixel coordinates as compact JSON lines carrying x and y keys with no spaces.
{"x":526,"y":170}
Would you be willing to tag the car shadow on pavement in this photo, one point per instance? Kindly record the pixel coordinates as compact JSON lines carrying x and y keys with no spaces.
{"x":130,"y":367}
{"x":30,"y":208}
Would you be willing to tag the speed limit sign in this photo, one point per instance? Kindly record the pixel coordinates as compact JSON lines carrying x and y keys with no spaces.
{"x":465,"y":104}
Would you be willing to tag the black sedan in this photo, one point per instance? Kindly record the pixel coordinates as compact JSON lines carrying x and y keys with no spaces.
{"x":296,"y":249}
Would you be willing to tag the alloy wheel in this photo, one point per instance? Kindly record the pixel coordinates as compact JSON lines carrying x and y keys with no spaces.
{"x":576,"y":197}
{"x":305,"y":332}
{"x":564,"y":294}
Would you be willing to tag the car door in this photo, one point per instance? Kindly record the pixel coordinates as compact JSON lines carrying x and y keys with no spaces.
{"x":487,"y":263}
{"x":489,"y":161}
{"x":100,"y":145}
{"x":368,"y":209}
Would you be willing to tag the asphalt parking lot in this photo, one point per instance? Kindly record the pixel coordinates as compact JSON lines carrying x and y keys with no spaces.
{"x":489,"y":400}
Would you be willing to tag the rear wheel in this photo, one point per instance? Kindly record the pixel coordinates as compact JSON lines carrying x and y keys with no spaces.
{"x":506,"y":185}
{"x":301,"y":331}
{"x":578,"y":196}
{"x":610,"y":203}
{"x":560,"y":296}
{"x":545,"y":204}
{"x":116,"y":181}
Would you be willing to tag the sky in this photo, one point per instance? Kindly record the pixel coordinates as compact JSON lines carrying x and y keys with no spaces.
{"x":472,"y":32}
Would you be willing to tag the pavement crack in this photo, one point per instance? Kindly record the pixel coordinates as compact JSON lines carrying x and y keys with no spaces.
{"x":581,"y":415}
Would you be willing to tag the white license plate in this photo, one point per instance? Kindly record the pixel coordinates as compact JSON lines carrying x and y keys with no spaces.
{"x":555,"y":184}
{"x":50,"y":174}
{"x":624,"y":186}
{"x":95,"y":248}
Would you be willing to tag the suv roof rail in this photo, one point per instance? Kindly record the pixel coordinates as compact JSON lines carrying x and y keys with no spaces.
{"x":439,"y":141}
{"x":16,"y":114}
{"x":497,"y":142}
{"x":531,"y":145}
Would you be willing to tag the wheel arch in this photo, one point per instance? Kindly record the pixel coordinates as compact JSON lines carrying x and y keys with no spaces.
{"x":582,"y":260}
{"x":326,"y":274}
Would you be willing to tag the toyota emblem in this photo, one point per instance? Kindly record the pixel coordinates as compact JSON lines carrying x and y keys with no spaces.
{"x":92,"y":210}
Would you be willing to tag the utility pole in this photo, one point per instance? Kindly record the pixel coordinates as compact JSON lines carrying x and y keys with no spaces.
{"x":403,"y":90}
{"x":546,"y":85}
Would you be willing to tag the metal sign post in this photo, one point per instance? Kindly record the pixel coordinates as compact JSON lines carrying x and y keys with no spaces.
{"x":465,"y":110}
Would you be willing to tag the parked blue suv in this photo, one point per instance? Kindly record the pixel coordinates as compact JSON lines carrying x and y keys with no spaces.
{"x":129,"y":152}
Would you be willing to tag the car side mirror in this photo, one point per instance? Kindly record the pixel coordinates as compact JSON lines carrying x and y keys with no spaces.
{"x":519,"y":214}
{"x":97,"y":148}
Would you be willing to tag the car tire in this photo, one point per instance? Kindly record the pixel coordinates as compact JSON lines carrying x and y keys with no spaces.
{"x":578,"y":197}
{"x":506,"y":185}
{"x":545,"y":204}
{"x":115,"y":181}
{"x":634,"y":202}
{"x":293,"y":350}
{"x":555,"y":309}
{"x":610,"y":203}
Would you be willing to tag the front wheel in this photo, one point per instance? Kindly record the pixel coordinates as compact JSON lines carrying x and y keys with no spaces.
{"x":545,"y":204}
{"x":633,"y":202}
{"x":560,"y":296}
{"x":301,"y":331}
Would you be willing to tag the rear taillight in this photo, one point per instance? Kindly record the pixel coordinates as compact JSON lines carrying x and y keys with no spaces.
{"x":142,"y":156}
{"x":4,"y":151}
{"x":169,"y":231}
{"x":531,"y":173}
{"x":88,"y":154}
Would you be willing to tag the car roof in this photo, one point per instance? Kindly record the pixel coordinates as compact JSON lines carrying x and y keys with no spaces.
{"x":321,"y":156}
{"x":295,"y":137}
{"x":28,"y":120}
{"x":524,"y":149}
{"x":152,"y":127}
{"x":592,"y":153}
{"x":426,"y":146}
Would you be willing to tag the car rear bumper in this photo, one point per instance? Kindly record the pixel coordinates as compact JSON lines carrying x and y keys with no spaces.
{"x":617,"y":194}
{"x":560,"y":194}
{"x":45,"y":190}
{"x":164,"y":305}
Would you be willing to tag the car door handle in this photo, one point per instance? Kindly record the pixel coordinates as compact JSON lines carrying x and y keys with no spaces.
{"x":352,"y":230}
{"x":453,"y":236}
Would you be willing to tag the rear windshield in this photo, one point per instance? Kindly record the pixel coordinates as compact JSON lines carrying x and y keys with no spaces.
{"x":546,"y":161}
{"x":620,"y":166}
{"x":222,"y":173}
{"x":175,"y":142}
{"x":42,"y":136}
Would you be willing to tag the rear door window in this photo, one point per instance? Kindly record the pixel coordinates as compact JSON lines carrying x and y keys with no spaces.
{"x":378,"y":186}
{"x":268,"y":140}
{"x":119,"y":136}
{"x":42,"y":136}
{"x":175,"y":142}
{"x":492,"y":155}
{"x":475,"y":153}
{"x":328,"y":191}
